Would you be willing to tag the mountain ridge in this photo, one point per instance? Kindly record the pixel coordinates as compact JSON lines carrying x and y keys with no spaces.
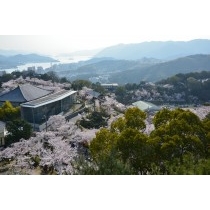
{"x":164,"y":50}
{"x":132,"y":71}
{"x":20,"y":59}
{"x":156,"y":72}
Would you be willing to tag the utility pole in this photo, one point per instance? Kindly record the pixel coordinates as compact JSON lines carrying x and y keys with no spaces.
{"x":45,"y":118}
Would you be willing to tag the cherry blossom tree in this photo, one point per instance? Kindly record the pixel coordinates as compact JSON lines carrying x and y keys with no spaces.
{"x":50,"y":152}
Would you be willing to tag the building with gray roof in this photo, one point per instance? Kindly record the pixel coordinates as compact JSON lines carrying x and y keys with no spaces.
{"x":146,"y":106}
{"x":38,"y":111}
{"x":24,"y":93}
{"x":38,"y":104}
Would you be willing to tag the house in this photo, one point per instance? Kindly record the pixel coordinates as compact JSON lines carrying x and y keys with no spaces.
{"x":23,"y":93}
{"x":146,"y":106}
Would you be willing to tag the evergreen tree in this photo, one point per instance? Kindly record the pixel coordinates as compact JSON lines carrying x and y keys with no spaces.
{"x":17,"y":130}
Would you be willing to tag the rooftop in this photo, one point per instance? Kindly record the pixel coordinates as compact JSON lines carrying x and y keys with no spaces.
{"x":143,"y":105}
{"x":110,"y":84}
{"x":24,"y":93}
{"x":48,"y":99}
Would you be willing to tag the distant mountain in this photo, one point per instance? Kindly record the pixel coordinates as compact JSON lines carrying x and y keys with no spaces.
{"x":15,"y":60}
{"x":94,"y":61}
{"x":111,"y":65}
{"x":31,"y":58}
{"x":167,"y":50}
{"x":75,"y":65}
{"x":156,"y":72}
{"x":131,"y":71}
{"x":99,"y":67}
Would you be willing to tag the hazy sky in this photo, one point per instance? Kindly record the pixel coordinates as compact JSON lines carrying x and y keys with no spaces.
{"x":64,"y":26}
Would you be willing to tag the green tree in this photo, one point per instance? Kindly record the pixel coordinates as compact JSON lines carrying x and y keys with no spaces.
{"x":162,"y":117}
{"x":124,"y":142}
{"x":79,"y":84}
{"x":190,"y":166}
{"x":6,"y":77}
{"x":64,"y":80}
{"x":120,"y":91}
{"x":133,"y":148}
{"x":121,"y":94}
{"x":102,"y":145}
{"x":178,"y":132}
{"x":118,"y":126}
{"x":174,"y":80}
{"x":17,"y":129}
{"x":206,"y":141}
{"x":176,"y":146}
{"x":94,"y":120}
{"x":98,"y":88}
{"x":133,"y":118}
{"x":8,"y":112}
{"x":194,"y":85}
{"x":53,"y":76}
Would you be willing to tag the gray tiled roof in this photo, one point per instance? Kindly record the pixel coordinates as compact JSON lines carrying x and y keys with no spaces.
{"x":24,"y":93}
{"x":31,"y":92}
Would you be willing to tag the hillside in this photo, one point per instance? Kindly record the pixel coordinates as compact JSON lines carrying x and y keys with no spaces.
{"x":15,"y":60}
{"x":131,"y":71}
{"x":102,"y":67}
{"x":163,"y":70}
{"x":156,"y":49}
{"x":190,"y":88}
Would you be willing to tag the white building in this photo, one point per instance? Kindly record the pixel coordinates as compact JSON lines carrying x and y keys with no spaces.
{"x":146,"y":106}
{"x":110,"y":86}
